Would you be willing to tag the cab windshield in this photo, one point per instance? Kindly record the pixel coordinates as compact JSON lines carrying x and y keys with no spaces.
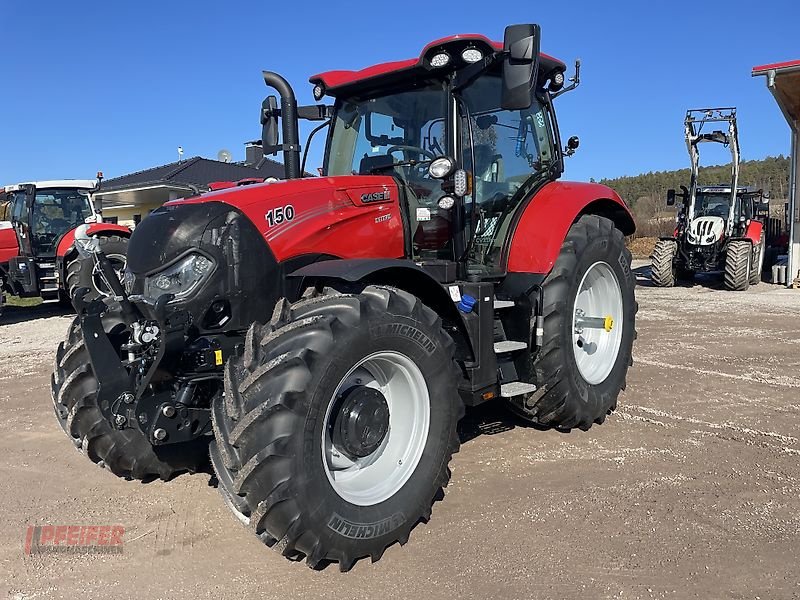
{"x":712,"y":205}
{"x":397,"y":134}
{"x":56,"y":211}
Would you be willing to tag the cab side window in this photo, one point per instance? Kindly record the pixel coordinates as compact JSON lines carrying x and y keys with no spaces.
{"x":18,"y":208}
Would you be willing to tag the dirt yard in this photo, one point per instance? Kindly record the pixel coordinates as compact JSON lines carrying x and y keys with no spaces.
{"x":690,"y":490}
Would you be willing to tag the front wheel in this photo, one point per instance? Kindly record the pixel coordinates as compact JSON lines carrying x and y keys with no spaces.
{"x":338,"y":424}
{"x":663,"y":272}
{"x":82,"y":271}
{"x":124,"y":452}
{"x":589,"y":327}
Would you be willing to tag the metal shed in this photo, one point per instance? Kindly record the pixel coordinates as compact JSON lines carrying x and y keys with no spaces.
{"x":783,"y":81}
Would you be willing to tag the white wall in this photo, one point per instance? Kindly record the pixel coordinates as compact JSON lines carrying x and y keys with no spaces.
{"x":794,"y":208}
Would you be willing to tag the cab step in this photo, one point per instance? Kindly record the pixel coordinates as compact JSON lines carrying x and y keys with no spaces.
{"x":516,"y":388}
{"x":508,"y":346}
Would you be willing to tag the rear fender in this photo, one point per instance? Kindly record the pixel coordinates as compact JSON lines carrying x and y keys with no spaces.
{"x":9,"y":246}
{"x":402,"y":274}
{"x":754,"y":232}
{"x":546,"y":218}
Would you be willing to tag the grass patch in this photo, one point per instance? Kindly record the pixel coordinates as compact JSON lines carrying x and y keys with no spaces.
{"x":22,"y":302}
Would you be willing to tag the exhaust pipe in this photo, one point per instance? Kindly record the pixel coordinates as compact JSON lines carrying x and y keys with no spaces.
{"x":291,"y":140}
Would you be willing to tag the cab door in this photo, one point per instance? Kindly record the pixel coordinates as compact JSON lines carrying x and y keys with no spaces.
{"x":510,"y":154}
{"x":21,"y":217}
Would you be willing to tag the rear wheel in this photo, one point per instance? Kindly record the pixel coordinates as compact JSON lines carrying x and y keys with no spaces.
{"x":81,"y":270}
{"x":757,"y":266}
{"x":738,"y":263}
{"x":589,"y":327}
{"x":662,"y":266}
{"x":338,"y":424}
{"x":125,"y":452}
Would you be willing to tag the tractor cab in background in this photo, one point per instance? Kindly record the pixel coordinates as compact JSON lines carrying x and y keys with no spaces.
{"x":37,"y":252}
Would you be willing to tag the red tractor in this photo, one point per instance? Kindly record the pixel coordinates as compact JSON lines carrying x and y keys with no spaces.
{"x":325,"y":333}
{"x":38,"y":256}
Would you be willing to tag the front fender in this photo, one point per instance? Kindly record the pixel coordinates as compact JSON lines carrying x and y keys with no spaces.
{"x":546,"y":218}
{"x":399,"y":273}
{"x":67,"y":241}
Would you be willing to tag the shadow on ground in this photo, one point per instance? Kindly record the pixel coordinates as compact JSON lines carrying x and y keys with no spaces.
{"x":19,"y":314}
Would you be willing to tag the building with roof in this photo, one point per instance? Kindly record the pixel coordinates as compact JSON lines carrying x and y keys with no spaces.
{"x":783,"y":81}
{"x":129,"y":198}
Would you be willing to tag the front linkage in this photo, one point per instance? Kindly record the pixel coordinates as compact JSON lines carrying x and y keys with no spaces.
{"x":154,"y":383}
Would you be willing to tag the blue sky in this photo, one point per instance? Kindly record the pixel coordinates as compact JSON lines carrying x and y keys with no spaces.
{"x":117,"y":86}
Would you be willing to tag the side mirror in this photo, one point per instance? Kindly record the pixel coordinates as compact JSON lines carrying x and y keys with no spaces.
{"x":572,"y":145}
{"x":670,"y":197}
{"x":520,"y":65}
{"x":269,"y":125}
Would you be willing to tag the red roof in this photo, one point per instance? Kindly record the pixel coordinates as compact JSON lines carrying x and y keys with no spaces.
{"x":335,"y":79}
{"x":789,"y":64}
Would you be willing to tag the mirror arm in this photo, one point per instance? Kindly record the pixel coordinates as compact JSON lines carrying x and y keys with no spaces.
{"x":467,"y":75}
{"x":576,"y":81}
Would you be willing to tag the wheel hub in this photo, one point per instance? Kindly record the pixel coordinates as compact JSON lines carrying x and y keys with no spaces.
{"x":362,"y":422}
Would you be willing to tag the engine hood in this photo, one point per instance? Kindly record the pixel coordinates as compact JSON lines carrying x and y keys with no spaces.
{"x":705,"y":231}
{"x":337,"y":216}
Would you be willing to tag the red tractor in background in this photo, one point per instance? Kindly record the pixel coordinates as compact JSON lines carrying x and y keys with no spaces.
{"x":324,"y":334}
{"x":720,"y":227}
{"x":38,"y":256}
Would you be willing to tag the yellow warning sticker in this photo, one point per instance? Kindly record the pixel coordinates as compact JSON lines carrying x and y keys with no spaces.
{"x":218,"y":357}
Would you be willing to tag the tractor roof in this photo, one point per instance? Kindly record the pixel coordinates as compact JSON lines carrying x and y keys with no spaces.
{"x":725,"y":189}
{"x":83,"y":184}
{"x":385,"y":73}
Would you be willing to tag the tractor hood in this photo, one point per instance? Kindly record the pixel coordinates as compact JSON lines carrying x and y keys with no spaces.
{"x":336,"y":216}
{"x":705,"y":231}
{"x":251,"y":237}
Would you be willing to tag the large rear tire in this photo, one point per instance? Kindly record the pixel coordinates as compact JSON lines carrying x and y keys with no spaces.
{"x":296,"y":467}
{"x":662,"y":266}
{"x":757,"y":267}
{"x":580,"y":375}
{"x":81,"y":270}
{"x":738,"y":263}
{"x":126,"y":452}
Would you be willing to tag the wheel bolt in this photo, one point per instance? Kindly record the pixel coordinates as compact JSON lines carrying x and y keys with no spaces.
{"x":160,"y":434}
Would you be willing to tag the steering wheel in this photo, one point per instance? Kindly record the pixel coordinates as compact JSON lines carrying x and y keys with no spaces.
{"x":416,"y":149}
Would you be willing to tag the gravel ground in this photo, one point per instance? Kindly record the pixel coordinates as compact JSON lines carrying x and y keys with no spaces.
{"x":690,"y":490}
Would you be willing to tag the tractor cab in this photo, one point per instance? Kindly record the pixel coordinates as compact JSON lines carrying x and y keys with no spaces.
{"x":41,"y":215}
{"x":714,"y":208}
{"x":464,"y":140}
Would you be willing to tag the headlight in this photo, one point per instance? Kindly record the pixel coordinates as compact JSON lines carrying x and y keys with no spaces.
{"x":179,"y":279}
{"x":441,"y":167}
{"x":440,"y":59}
{"x":471,"y":55}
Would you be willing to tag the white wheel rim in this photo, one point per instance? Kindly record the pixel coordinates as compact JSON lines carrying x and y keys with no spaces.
{"x":374,"y":478}
{"x":596,"y":349}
